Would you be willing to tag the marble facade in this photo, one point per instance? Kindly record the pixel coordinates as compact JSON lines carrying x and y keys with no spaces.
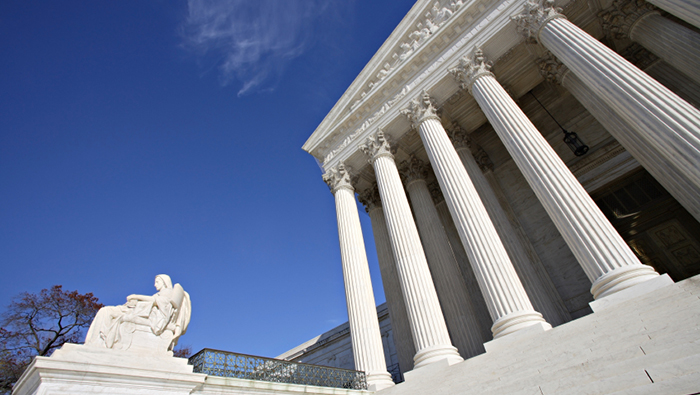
{"x":487,"y":225}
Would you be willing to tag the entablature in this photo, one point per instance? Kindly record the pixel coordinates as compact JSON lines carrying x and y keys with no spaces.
{"x":492,"y":29}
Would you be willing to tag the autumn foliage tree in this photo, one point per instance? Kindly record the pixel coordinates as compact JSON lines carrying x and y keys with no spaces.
{"x":39,"y":324}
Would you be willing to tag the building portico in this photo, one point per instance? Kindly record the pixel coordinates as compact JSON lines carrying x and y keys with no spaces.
{"x":450,"y":103}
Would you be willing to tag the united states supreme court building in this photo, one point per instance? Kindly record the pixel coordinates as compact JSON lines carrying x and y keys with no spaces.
{"x":531,"y":169}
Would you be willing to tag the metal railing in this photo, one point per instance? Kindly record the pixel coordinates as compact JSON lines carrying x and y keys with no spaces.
{"x":242,"y":366}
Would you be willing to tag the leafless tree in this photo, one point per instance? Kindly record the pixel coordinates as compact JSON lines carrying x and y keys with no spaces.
{"x":37,"y":324}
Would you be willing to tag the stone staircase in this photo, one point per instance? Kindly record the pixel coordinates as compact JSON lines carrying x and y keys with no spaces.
{"x":648,"y":345}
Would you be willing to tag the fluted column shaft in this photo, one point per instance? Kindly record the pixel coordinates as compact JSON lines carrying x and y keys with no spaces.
{"x":658,"y":116}
{"x":505,"y":296}
{"x":451,"y":289}
{"x":362,"y":312}
{"x":606,"y":259}
{"x":539,"y":287}
{"x":392,"y":290}
{"x":676,"y":181}
{"x":676,"y":44}
{"x":687,"y":10}
{"x":482,"y":312}
{"x":430,"y":335}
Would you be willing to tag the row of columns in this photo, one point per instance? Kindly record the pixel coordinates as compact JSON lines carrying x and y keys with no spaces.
{"x":655,"y":125}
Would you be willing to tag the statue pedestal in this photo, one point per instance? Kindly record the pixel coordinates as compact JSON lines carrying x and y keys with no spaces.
{"x":79,"y":369}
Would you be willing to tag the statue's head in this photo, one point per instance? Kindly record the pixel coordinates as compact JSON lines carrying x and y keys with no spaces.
{"x":163,"y":281}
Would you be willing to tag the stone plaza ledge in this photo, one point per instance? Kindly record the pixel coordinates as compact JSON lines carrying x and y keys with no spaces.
{"x":58,"y":376}
{"x":647,"y":345}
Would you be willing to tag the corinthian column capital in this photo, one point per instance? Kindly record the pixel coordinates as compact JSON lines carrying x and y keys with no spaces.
{"x":378,"y":146}
{"x":338,"y":177}
{"x":459,"y":137}
{"x":535,"y":15}
{"x":619,"y":19}
{"x":482,"y":159}
{"x":436,"y":193}
{"x":470,"y":68}
{"x":551,"y":68}
{"x":420,"y":109}
{"x":370,"y":198}
{"x":413,"y":169}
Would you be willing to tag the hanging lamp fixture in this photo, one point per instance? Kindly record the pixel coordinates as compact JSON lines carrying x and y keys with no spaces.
{"x":570,"y":138}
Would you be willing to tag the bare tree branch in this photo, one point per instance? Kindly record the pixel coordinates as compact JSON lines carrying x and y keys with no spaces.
{"x":37,"y":324}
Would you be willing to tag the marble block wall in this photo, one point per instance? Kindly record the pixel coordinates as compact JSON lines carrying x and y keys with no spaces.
{"x":334,"y":347}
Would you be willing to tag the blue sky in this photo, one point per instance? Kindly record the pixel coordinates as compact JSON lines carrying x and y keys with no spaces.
{"x":145,"y":137}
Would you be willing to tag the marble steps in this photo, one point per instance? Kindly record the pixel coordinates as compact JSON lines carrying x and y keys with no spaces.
{"x":587,"y":378}
{"x":624,"y":360}
{"x":669,"y":383}
{"x":532,"y":361}
{"x":554,"y":380}
{"x":626,"y":373}
{"x":602,"y":353}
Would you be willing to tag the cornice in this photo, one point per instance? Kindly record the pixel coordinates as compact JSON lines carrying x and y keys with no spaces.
{"x":342,"y":115}
{"x":337,"y":138}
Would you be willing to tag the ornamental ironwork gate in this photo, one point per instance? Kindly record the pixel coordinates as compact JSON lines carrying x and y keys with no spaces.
{"x":242,"y":366}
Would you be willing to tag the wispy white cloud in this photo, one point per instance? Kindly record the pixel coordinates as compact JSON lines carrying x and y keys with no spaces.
{"x":255,"y":39}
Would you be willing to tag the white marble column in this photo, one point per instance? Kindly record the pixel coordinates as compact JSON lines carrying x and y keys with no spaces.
{"x":670,"y":41}
{"x":687,"y":10}
{"x":505,"y":296}
{"x":675,"y":180}
{"x":604,"y":256}
{"x":451,"y":289}
{"x":665,"y":121}
{"x":362,"y":311}
{"x":531,"y":271}
{"x":430,"y":335}
{"x":390,"y":279}
{"x":482,"y":312}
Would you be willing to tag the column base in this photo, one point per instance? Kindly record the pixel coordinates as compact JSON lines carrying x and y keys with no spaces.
{"x":516,"y":321}
{"x":633,"y":292}
{"x":621,"y":278}
{"x":377,"y":381}
{"x":436,"y":353}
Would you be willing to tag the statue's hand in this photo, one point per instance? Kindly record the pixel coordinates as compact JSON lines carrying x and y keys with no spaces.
{"x":131,"y":302}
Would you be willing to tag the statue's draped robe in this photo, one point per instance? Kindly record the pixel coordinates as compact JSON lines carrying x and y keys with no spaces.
{"x":115,"y":325}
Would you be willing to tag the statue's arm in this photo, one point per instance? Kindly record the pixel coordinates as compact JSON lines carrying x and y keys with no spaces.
{"x":143,"y":298}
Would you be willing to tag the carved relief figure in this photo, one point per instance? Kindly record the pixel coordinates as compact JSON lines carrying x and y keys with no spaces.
{"x":149,"y":321}
{"x":407,"y":50}
{"x":440,"y":15}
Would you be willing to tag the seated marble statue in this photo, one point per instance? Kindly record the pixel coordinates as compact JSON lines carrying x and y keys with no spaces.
{"x":153,"y":322}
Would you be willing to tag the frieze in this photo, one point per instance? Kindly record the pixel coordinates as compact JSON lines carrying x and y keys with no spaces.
{"x":433,"y":20}
{"x":363,"y":130}
{"x":365,"y":125}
